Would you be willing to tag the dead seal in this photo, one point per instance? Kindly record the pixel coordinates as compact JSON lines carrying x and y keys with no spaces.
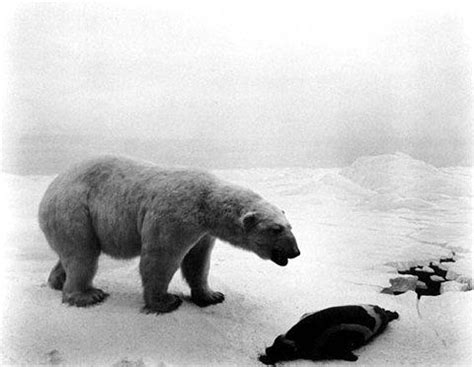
{"x":332,"y":333}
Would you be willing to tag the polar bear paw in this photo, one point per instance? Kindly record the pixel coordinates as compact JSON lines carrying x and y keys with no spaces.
{"x":84,"y":299}
{"x":163,"y":304}
{"x":203,"y":299}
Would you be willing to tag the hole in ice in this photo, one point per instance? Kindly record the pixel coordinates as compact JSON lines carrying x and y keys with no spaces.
{"x":427,"y":280}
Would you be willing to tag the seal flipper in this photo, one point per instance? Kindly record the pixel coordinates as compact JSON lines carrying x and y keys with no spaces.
{"x":391,"y":315}
{"x":347,"y":355}
{"x":343,"y":353}
{"x":341,"y":344}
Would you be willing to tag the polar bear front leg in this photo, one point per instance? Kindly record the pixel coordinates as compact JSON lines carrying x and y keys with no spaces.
{"x":157,"y":267}
{"x":195,"y":269}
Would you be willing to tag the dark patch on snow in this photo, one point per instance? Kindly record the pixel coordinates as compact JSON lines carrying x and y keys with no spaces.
{"x":127,"y":363}
{"x":429,"y":279}
{"x":53,"y":357}
{"x":425,"y":281}
{"x":447,"y":260}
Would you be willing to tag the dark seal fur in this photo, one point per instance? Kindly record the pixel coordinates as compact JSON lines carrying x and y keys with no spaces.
{"x":332,"y":333}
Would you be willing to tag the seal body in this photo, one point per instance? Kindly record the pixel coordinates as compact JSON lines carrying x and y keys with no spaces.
{"x":332,"y":333}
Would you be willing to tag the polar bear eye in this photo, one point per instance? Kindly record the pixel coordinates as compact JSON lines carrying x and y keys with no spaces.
{"x":276,"y":229}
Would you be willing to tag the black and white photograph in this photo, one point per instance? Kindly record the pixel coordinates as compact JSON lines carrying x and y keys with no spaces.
{"x":236,"y":183}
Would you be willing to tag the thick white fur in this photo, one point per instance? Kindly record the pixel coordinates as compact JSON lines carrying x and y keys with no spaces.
{"x":168,"y":217}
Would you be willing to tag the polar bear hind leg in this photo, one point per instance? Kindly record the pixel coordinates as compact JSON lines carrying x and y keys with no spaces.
{"x":78,"y":250}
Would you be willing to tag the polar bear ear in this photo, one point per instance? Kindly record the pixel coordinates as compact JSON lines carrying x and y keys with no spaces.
{"x":249,"y":220}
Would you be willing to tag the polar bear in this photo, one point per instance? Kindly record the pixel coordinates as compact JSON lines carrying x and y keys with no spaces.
{"x":168,"y":217}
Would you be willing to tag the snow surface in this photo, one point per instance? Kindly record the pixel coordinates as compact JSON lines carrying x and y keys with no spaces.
{"x":354,"y":226}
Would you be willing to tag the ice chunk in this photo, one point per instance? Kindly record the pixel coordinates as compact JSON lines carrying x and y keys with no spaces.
{"x":465,"y":280}
{"x":401,"y":284}
{"x":453,"y":286}
{"x":452,"y":275}
{"x":426,"y":269}
{"x":437,"y":278}
{"x":421,"y":285}
{"x":410,"y":178}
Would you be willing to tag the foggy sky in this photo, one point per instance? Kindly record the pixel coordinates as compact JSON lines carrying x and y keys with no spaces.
{"x":346,"y":75}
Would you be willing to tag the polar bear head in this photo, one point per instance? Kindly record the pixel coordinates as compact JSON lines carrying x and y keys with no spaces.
{"x":267,"y":232}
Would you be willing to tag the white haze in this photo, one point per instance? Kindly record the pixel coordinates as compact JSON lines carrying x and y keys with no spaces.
{"x":319,"y":81}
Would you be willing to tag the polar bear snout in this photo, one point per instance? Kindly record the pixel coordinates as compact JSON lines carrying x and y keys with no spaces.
{"x":294,"y":251}
{"x":285,"y":249}
{"x":289,"y":246}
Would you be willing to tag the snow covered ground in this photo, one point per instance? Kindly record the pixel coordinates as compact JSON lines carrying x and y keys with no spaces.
{"x":354,"y":226}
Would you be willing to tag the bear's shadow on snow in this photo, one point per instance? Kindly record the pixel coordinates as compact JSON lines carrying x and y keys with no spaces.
{"x":128,"y":298}
{"x":124,"y":300}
